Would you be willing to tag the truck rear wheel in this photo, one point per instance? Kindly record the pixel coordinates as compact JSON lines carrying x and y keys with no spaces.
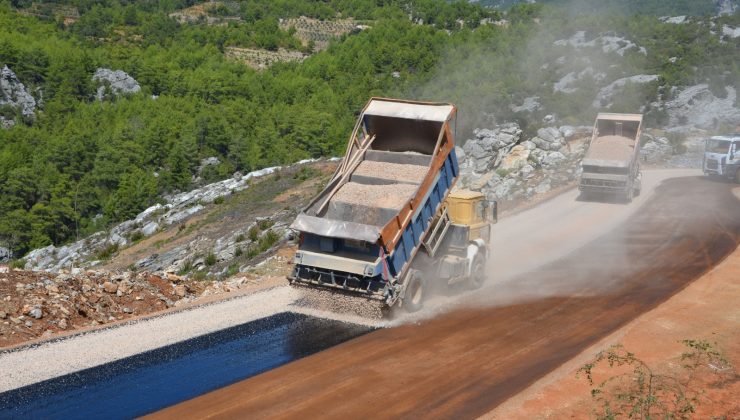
{"x":413,"y":299}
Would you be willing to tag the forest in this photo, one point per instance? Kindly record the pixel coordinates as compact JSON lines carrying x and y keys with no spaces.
{"x":82,"y":164}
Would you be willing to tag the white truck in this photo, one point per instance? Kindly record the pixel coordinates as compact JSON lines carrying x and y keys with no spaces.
{"x":722,"y":157}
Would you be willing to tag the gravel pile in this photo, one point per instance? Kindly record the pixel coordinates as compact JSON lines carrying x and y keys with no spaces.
{"x":340,"y":306}
{"x":385,"y":196}
{"x":392,"y":171}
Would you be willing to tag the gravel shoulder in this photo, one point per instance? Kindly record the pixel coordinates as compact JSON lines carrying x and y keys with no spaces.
{"x":30,"y":364}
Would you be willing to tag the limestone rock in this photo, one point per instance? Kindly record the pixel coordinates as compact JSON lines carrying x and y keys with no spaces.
{"x":115,"y":82}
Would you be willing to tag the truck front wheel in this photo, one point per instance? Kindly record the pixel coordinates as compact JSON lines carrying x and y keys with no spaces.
{"x":478,"y":272}
{"x":413,"y":299}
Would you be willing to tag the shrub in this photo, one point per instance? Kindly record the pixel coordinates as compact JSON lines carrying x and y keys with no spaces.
{"x":254,"y":233}
{"x":136,"y":236}
{"x":677,"y":141}
{"x":502,"y":172}
{"x":107,"y":252}
{"x":210,"y":259}
{"x":218,"y":200}
{"x":232,"y":270}
{"x":265,"y":224}
{"x":20,"y":263}
{"x":642,"y":392}
{"x":240,"y":237}
{"x":238,"y":251}
{"x":187,"y":266}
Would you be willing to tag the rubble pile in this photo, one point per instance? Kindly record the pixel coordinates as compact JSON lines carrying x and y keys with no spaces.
{"x":39,"y":304}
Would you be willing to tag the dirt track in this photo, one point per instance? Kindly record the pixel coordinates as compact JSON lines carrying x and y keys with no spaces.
{"x":466,"y":362}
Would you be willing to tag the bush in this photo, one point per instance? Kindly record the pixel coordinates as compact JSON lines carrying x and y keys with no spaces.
{"x":502,"y":172}
{"x":238,"y":251}
{"x":136,"y":236}
{"x":254,"y":233}
{"x":265,"y":224}
{"x":677,"y":142}
{"x":210,"y":259}
{"x":20,"y":264}
{"x":218,"y":200}
{"x":107,"y":252}
{"x":642,"y":392}
{"x":232,"y":270}
{"x":187,"y":267}
{"x":240,"y":237}
{"x":306,"y":173}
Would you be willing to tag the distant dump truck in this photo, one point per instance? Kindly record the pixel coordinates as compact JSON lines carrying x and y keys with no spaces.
{"x":387,"y":226}
{"x":611,"y":165}
{"x":722,"y":157}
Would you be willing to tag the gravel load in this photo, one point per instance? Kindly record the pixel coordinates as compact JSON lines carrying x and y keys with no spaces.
{"x":385,"y":196}
{"x":611,"y":147}
{"x":392,"y":171}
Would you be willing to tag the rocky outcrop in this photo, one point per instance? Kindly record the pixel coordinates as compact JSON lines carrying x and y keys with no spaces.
{"x":607,"y":42}
{"x":697,"y":106}
{"x":604,"y":98}
{"x":505,"y":166}
{"x":114,"y":82}
{"x":179,"y":207}
{"x":14,"y":98}
{"x":5,"y":254}
{"x":725,"y":7}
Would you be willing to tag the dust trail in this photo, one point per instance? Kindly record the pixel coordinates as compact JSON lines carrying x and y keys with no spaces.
{"x":591,"y":248}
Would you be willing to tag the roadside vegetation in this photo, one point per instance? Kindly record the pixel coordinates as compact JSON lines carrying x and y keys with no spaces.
{"x":634,"y":389}
{"x":83,"y":164}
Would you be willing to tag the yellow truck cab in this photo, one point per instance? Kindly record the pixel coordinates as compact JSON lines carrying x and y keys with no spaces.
{"x":470,"y":208}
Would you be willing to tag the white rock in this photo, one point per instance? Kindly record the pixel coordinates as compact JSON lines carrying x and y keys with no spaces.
{"x":548,"y":134}
{"x":553,"y":159}
{"x":604,"y":97}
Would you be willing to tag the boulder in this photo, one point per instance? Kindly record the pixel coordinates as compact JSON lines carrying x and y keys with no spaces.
{"x":110,"y":287}
{"x":516,"y":158}
{"x":549,"y":134}
{"x":553,"y":159}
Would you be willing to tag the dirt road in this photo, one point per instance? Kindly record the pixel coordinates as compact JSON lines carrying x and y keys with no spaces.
{"x":468,"y":361}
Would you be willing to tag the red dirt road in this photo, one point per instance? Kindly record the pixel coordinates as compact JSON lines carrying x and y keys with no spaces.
{"x":463,"y":364}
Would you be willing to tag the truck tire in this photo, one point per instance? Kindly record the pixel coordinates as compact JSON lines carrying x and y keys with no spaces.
{"x":413,"y":299}
{"x":737,"y":176}
{"x":477,"y":273}
{"x":629,"y":194}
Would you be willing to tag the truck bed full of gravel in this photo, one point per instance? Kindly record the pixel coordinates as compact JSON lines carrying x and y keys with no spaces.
{"x":392,"y":171}
{"x":384,"y":196}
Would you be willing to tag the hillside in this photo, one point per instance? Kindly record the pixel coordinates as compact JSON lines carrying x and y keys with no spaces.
{"x":109,"y":109}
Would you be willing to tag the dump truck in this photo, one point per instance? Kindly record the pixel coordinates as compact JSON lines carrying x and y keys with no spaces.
{"x":388,"y":226}
{"x":722,"y":157}
{"x":611,"y":165}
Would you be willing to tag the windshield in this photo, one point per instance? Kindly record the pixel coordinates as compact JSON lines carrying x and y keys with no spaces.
{"x":605,"y":170}
{"x":718,"y":146}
